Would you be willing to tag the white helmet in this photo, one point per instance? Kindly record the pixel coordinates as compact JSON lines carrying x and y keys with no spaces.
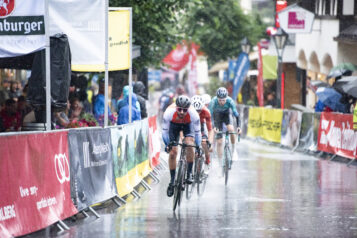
{"x":198,"y":105}
{"x":206,"y":99}
{"x":196,"y":98}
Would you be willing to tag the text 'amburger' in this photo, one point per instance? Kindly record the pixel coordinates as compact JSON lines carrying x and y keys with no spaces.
{"x":22,"y":25}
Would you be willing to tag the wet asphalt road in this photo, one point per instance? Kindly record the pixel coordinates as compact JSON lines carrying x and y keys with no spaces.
{"x":272,"y":192}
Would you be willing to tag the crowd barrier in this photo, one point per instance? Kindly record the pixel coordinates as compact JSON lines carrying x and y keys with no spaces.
{"x":313,"y":132}
{"x":46,"y":177}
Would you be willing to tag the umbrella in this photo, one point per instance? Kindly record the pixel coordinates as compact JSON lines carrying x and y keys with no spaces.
{"x":344,"y":69}
{"x":350,"y":88}
{"x":315,"y":84}
{"x":344,"y":80}
{"x":331,"y":98}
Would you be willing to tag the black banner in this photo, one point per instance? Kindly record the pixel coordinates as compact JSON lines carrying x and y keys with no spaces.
{"x":244,"y":119}
{"x":22,"y":25}
{"x":92,"y":176}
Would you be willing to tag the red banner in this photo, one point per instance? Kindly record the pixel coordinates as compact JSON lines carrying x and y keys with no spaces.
{"x":154,"y":142}
{"x":336,"y":135}
{"x":34,"y":182}
{"x":260,"y":87}
{"x":280,"y":5}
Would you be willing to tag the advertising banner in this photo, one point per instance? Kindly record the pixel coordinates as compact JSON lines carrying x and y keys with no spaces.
{"x":290,"y":128}
{"x":295,"y":19}
{"x":260,"y":84}
{"x":119,"y":44}
{"x":255,"y":126}
{"x":92,"y":177}
{"x":22,"y":27}
{"x":130,"y":154}
{"x":270,"y":66}
{"x":34,"y":182}
{"x":306,"y":138}
{"x":241,"y":70}
{"x":336,"y":135}
{"x":271,"y":124}
{"x":244,"y":115}
{"x":154,"y":142}
{"x":84,"y":24}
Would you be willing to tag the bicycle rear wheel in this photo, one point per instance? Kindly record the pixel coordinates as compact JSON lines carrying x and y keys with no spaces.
{"x":201,"y":178}
{"x":179,"y":185}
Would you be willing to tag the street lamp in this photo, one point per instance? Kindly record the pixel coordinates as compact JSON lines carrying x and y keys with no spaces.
{"x":280,"y":39}
{"x":245,"y":44}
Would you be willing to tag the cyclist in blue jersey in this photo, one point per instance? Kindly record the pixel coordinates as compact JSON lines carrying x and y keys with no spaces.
{"x":222,"y":107}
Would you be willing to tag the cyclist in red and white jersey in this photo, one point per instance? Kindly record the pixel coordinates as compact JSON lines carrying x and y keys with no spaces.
{"x":182,"y":117}
{"x":206,"y":125}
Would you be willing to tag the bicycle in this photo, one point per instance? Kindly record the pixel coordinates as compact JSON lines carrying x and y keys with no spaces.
{"x":227,"y":157}
{"x":181,"y":176}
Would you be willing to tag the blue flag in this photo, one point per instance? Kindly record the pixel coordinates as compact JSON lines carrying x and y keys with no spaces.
{"x":242,"y":67}
{"x":225,"y":75}
{"x":231,"y":69}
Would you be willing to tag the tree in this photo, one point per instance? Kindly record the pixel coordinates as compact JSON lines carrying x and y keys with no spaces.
{"x":154,"y":27}
{"x":218,"y":26}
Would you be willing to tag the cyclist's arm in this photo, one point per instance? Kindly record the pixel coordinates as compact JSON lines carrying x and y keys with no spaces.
{"x":166,"y":126}
{"x":234,"y":110}
{"x":195,"y":126}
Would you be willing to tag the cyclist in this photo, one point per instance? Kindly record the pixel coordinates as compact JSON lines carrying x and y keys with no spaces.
{"x":206,"y":125}
{"x":182,"y":117}
{"x":206,"y":99}
{"x":221,"y":107}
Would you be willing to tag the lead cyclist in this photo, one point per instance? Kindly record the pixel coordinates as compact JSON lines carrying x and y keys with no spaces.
{"x":222,"y":107}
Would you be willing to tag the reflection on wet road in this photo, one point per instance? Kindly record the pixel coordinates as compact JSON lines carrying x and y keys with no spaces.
{"x":272,"y":192}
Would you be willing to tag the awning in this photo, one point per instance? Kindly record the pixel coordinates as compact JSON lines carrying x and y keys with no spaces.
{"x":348,"y":35}
{"x":218,"y":66}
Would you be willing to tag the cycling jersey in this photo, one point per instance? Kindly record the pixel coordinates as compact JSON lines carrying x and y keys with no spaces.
{"x":227,"y":108}
{"x":191,"y":121}
{"x":205,"y":117}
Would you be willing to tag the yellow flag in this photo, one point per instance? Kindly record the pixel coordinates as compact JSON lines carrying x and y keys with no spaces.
{"x":119,"y":44}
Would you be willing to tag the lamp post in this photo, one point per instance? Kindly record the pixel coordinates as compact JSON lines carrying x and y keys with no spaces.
{"x":280,"y":39}
{"x":245,"y":44}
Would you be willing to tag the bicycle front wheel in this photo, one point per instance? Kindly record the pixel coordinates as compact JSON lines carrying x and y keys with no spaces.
{"x":226,"y":164}
{"x":179,"y":185}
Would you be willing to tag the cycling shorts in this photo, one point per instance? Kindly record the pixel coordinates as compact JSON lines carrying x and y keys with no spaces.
{"x":174,"y":131}
{"x":220,"y":118}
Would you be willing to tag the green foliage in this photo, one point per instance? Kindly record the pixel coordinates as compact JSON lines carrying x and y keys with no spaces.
{"x":219,"y":26}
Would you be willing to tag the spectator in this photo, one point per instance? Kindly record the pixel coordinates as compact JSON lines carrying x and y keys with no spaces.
{"x":11,"y":118}
{"x":122,"y":102}
{"x":76,"y":109}
{"x":139,"y":90}
{"x":23,"y":107}
{"x":4,"y":94}
{"x":98,"y":107}
{"x":123,"y":117}
{"x":60,"y":119}
{"x":14,"y":92}
{"x":271,"y":101}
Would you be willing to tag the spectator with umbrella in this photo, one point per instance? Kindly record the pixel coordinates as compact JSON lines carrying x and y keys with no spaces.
{"x":331,"y":98}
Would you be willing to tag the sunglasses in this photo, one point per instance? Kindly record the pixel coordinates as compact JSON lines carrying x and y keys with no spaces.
{"x":180,"y":109}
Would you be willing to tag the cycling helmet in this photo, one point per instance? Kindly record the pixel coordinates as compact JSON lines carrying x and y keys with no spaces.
{"x":198,"y":105}
{"x":183,"y":101}
{"x":206,"y":99}
{"x":222,"y":92}
{"x":196,"y":98}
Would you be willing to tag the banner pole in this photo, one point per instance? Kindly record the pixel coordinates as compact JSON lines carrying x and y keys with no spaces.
{"x":106,"y":74}
{"x":130,"y":65}
{"x":48,"y":69}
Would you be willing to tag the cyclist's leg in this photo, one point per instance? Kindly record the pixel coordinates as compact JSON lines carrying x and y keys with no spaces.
{"x":218,"y":121}
{"x":204,"y":142}
{"x":189,"y":139}
{"x":174,"y":132}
